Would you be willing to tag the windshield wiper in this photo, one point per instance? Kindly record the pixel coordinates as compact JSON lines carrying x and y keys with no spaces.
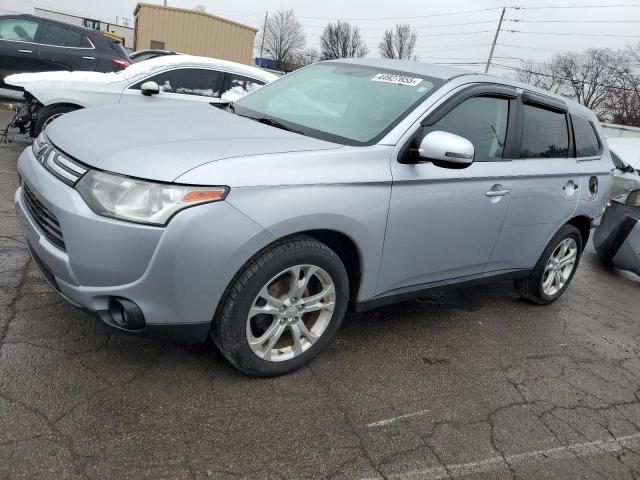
{"x":275,"y":123}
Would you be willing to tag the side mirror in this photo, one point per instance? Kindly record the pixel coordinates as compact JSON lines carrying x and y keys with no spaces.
{"x":150,"y":88}
{"x":446,"y":147}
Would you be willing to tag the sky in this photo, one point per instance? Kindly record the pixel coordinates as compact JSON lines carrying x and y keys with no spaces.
{"x":447,"y":31}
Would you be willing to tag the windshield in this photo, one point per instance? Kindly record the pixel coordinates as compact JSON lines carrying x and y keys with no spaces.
{"x":348,"y":104}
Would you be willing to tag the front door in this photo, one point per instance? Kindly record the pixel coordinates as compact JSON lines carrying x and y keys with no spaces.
{"x":443,"y":222}
{"x":180,"y":84}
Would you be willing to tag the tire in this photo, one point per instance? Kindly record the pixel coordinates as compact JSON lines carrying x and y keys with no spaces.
{"x":46,"y":114}
{"x":531,"y":288}
{"x":266,"y":275}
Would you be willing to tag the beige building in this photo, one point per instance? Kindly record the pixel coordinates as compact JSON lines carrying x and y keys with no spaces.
{"x":192,"y":32}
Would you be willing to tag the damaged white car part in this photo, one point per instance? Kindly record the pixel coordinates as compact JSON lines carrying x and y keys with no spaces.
{"x":177,"y":78}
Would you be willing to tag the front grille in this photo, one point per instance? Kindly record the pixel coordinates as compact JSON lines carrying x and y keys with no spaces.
{"x":46,"y":221}
{"x":60,"y":165}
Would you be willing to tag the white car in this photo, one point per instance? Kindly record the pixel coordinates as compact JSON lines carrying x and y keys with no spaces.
{"x":165,"y":79}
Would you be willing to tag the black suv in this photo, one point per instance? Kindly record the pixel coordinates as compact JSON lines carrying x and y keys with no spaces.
{"x":34,"y":44}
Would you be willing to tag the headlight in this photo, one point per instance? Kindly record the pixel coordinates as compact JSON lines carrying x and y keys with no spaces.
{"x":134,"y":200}
{"x":39,"y":144}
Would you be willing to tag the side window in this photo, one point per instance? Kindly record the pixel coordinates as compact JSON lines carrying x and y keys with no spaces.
{"x":243,"y":84}
{"x":544,"y":133}
{"x":18,"y":30}
{"x":587,"y":143}
{"x":187,"y":81}
{"x":64,"y":37}
{"x":482,"y":121}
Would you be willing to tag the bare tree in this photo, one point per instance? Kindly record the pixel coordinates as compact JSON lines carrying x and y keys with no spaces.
{"x":622,"y":105}
{"x":399,"y":43}
{"x":588,"y":75}
{"x":340,"y":40}
{"x":538,"y":74}
{"x":309,"y":57}
{"x":604,"y":80}
{"x":284,"y":38}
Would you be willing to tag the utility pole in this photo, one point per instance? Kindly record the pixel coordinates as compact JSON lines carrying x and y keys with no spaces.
{"x":495,"y":40}
{"x":165,"y":3}
{"x":264,"y":32}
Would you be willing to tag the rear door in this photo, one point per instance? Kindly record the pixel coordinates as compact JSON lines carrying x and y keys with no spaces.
{"x":546,"y":185}
{"x":179,"y":84}
{"x":443,"y":223}
{"x":18,"y":47}
{"x":64,"y":48}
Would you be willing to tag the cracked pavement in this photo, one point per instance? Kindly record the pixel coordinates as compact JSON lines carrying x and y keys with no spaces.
{"x":469,"y":383}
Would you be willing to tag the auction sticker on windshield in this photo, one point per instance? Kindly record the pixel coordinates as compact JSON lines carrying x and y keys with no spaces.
{"x":397,"y":79}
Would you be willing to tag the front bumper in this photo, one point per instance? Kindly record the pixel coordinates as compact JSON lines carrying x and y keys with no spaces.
{"x":617,"y":239}
{"x":176,"y":275}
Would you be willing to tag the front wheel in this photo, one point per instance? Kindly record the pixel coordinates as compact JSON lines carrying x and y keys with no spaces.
{"x":282,"y":308}
{"x":555,"y":268}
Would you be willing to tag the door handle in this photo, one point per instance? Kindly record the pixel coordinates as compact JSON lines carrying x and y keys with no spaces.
{"x":89,"y":58}
{"x":25,"y":51}
{"x":498,"y":193}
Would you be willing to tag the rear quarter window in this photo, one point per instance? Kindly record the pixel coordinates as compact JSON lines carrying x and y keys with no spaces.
{"x":587,"y":141}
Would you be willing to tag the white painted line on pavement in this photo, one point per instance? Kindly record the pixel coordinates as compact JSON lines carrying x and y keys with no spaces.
{"x":494,"y":463}
{"x":391,"y":420}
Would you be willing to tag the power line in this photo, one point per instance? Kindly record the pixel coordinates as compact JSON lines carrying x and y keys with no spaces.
{"x":454,"y":47}
{"x":523,"y":47}
{"x":413,"y":27}
{"x":555,"y":77}
{"x":572,"y":21}
{"x":412,"y":16}
{"x":377,"y":37}
{"x":581,"y":6}
{"x":575,"y":34}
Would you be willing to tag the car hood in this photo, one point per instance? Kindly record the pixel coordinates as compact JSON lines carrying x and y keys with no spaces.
{"x":161,"y":142}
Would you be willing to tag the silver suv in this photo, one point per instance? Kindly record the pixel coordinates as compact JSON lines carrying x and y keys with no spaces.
{"x":356,"y":182}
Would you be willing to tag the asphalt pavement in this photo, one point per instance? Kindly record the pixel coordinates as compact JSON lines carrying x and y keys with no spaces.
{"x":469,"y":383}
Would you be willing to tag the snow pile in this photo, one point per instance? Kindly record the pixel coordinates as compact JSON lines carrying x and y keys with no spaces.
{"x":21,"y":79}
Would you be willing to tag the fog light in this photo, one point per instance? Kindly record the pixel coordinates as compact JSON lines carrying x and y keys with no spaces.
{"x":126,"y":314}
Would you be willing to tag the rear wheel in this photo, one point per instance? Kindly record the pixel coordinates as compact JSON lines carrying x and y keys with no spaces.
{"x":282,"y":308}
{"x":555,"y":268}
{"x":46,"y":115}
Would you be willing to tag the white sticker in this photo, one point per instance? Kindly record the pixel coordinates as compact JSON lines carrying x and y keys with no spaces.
{"x":397,"y":79}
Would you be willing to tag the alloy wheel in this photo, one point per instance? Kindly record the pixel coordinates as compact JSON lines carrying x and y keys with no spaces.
{"x":560,"y":267}
{"x":290,"y":313}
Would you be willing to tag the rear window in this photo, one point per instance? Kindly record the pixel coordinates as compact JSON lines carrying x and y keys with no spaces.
{"x":64,"y":37}
{"x":117,"y":46}
{"x":545,"y":134}
{"x":587,"y":143}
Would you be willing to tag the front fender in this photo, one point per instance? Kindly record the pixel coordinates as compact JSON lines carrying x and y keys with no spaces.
{"x":356,"y":211}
